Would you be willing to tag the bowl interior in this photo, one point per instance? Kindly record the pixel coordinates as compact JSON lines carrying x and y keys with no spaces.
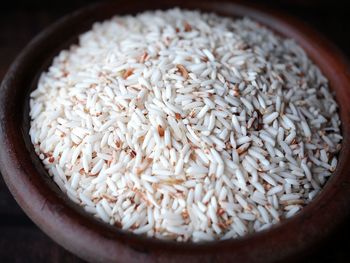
{"x":328,"y":205}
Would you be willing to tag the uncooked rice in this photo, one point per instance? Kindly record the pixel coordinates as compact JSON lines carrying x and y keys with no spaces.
{"x":186,"y":126}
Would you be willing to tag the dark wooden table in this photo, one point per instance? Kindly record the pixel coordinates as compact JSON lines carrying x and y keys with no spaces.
{"x":20,"y":239}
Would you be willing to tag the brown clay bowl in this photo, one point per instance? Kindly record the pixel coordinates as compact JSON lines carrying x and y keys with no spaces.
{"x":95,"y":241}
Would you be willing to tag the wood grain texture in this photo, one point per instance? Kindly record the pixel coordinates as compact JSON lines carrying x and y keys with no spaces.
{"x":20,"y":239}
{"x":27,"y":244}
{"x":8,"y":206}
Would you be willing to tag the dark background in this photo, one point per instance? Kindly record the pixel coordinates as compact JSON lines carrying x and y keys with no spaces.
{"x":20,"y":239}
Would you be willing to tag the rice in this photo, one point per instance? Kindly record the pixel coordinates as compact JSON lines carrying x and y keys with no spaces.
{"x":186,"y":126}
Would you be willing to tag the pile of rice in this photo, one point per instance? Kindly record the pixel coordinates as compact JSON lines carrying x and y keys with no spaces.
{"x":185,"y":125}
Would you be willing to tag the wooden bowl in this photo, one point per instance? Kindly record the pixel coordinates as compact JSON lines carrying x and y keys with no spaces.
{"x":96,"y":241}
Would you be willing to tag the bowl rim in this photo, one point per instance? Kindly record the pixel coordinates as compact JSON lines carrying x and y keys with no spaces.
{"x":90,"y":238}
